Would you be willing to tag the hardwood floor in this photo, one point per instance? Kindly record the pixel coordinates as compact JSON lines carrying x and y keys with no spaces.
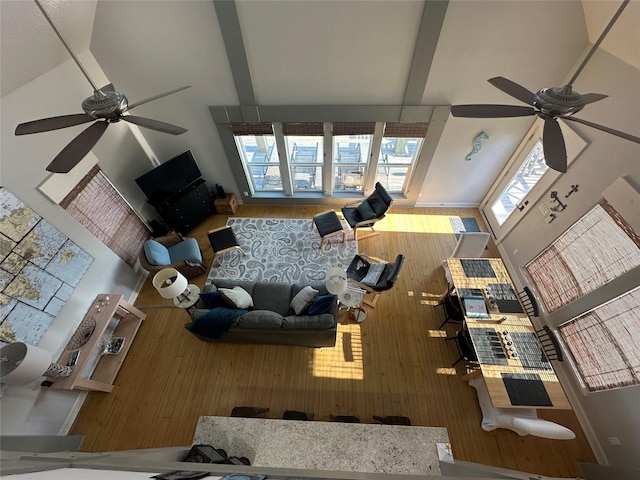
{"x":395,"y":363}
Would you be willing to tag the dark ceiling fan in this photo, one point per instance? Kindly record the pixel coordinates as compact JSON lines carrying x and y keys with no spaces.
{"x":105,"y":106}
{"x":549,"y":104}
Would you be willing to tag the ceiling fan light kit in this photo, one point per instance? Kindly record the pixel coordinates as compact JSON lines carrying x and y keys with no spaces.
{"x":549,"y":104}
{"x":105,"y":106}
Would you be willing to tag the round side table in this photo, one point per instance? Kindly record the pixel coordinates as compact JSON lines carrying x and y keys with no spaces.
{"x":352,"y":298}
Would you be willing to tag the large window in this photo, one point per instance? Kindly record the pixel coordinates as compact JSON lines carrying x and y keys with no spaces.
{"x":308,"y":161}
{"x":401,"y":145}
{"x":521,"y":183}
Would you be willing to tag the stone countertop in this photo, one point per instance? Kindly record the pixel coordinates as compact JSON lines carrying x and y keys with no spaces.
{"x":333,"y":446}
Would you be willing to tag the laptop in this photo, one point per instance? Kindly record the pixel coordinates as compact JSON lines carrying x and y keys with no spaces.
{"x":475,"y":307}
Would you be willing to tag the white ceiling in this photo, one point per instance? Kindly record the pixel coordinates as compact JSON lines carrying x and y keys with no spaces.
{"x":321,"y":53}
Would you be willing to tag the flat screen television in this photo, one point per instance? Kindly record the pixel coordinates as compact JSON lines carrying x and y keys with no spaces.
{"x":169,"y":178}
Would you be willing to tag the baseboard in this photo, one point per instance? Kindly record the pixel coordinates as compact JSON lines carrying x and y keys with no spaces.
{"x":73,"y":413}
{"x":446,"y":205}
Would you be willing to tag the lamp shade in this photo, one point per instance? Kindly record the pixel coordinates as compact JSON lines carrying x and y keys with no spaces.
{"x":21,"y":363}
{"x":169,"y":283}
{"x":336,"y":280}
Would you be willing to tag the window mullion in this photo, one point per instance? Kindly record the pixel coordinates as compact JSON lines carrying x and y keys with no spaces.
{"x":285,"y":167}
{"x":372,"y":164}
{"x":327,"y":160}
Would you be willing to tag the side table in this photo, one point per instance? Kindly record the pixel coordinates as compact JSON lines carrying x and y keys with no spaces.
{"x":352,"y":298}
{"x":227,"y":205}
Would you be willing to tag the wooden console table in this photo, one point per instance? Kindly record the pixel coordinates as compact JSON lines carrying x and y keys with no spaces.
{"x":104,"y":308}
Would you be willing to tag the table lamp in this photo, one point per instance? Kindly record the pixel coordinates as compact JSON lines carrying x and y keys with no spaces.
{"x":170,"y":283}
{"x":21,"y":363}
{"x":336,"y":280}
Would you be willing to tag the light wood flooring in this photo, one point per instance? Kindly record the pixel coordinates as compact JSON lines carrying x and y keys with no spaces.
{"x":395,"y":363}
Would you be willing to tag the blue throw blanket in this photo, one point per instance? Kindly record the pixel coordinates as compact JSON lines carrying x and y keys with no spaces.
{"x":216,"y":322}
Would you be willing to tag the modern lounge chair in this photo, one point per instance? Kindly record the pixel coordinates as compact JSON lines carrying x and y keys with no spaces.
{"x":365,"y":213}
{"x":374,"y":275}
{"x":172,"y":251}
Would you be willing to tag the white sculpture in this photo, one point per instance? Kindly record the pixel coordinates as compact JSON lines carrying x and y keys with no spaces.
{"x":523,"y":421}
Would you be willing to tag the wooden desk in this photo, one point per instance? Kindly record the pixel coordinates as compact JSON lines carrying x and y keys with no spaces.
{"x":524,"y":368}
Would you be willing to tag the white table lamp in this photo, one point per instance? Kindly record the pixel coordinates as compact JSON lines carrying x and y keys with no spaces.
{"x":21,"y":363}
{"x":336,"y":280}
{"x":170,"y":283}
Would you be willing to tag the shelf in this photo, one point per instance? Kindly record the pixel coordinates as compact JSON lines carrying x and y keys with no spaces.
{"x":104,"y":308}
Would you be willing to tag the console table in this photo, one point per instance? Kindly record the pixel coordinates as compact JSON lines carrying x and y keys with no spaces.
{"x":104,"y":310}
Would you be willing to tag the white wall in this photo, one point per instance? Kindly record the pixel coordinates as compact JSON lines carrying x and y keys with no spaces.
{"x":613,"y":413}
{"x":30,"y":409}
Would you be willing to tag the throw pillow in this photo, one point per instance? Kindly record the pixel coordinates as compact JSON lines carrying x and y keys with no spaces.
{"x":322,"y":304}
{"x":237,"y":297}
{"x":365,"y":211}
{"x":188,"y":250}
{"x":156,"y":253}
{"x":303,"y":299}
{"x":212,"y":299}
{"x":373,"y":274}
{"x":214,"y":323}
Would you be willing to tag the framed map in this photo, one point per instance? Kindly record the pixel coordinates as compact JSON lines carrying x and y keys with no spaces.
{"x":39,"y":269}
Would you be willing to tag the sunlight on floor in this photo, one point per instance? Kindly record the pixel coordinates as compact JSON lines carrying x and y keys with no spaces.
{"x":344,"y":360}
{"x":430,"y":298}
{"x":446,"y":371}
{"x":404,"y":222}
{"x":437,"y":333}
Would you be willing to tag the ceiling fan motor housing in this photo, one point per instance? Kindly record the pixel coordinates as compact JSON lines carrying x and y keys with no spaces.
{"x":110,"y":105}
{"x":558,"y":101}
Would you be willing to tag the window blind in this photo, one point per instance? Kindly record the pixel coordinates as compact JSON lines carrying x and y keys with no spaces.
{"x":262,"y":128}
{"x":605,"y":343}
{"x":353,"y":128}
{"x":593,"y":251}
{"x":405,"y":130}
{"x":98,"y":206}
{"x":307,"y":128}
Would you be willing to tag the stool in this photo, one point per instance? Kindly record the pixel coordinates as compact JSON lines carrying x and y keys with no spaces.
{"x":223,"y":240}
{"x":328,"y":225}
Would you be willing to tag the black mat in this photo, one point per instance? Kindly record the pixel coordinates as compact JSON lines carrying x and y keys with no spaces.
{"x":477,"y":268}
{"x":526,"y":389}
{"x":505,"y":298}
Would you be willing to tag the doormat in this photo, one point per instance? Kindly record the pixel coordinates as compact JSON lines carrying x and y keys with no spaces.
{"x":282,"y":250}
{"x":464,"y":224}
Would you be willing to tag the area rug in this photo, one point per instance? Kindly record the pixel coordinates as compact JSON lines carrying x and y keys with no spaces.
{"x":464,"y":224}
{"x":282,"y":250}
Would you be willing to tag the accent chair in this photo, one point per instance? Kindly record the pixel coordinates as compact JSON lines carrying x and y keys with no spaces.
{"x":365,"y":213}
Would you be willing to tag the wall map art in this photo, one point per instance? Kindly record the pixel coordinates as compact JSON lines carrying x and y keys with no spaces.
{"x":39,"y":269}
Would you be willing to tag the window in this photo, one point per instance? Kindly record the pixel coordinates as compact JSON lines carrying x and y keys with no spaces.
{"x":305,"y":154}
{"x":521,"y":183}
{"x":98,"y":206}
{"x":604,"y":343}
{"x":401,"y":145}
{"x":351,"y":154}
{"x":259,"y":154}
{"x":593,"y":251}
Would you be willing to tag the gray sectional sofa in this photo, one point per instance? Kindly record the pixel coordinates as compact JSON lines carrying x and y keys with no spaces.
{"x":271,"y":320}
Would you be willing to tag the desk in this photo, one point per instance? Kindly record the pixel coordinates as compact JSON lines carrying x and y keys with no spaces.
{"x":511,"y":359}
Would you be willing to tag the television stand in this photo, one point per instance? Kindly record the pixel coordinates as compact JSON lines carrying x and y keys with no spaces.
{"x":187,"y":208}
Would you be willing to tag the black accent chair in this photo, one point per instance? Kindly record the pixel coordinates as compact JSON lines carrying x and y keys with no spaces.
{"x":453,"y":313}
{"x":550,"y":343}
{"x":365,"y":213}
{"x":529,"y":302}
{"x":248,"y":412}
{"x":393,"y":420}
{"x":465,"y":347}
{"x":345,"y":418}
{"x":359,"y":268}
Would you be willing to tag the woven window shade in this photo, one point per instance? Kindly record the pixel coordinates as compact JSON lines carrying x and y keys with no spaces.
{"x":308,"y":128}
{"x":406,"y":130}
{"x":593,"y":251}
{"x":262,"y":128}
{"x":98,"y":206}
{"x":605,"y":343}
{"x":353,"y":128}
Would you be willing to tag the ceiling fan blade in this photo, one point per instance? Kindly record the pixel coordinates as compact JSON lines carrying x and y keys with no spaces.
{"x":555,"y":151}
{"x":154,"y":124}
{"x":78,"y":148}
{"x":617,"y":133}
{"x":593,"y":97}
{"x":53,"y":123}
{"x":108,"y":88}
{"x":150,"y":99}
{"x":512,"y":88}
{"x":491,"y":111}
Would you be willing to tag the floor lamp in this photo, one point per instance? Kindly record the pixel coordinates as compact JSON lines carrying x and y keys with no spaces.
{"x":21,"y":363}
{"x":170,"y":283}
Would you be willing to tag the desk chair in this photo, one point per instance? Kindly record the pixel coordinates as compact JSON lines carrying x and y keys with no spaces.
{"x":465,"y":347}
{"x":450,"y":304}
{"x":223,"y":240}
{"x":345,"y":418}
{"x":393,"y":420}
{"x":529,"y":302}
{"x":470,"y":245}
{"x":248,"y":412}
{"x":296,"y":415}
{"x":550,"y":343}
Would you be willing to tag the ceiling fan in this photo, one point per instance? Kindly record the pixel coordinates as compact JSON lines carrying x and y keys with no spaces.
{"x":549,"y":104}
{"x":105,"y":106}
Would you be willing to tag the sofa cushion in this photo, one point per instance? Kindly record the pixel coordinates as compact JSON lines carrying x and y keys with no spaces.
{"x":272,"y":296}
{"x":322,"y":304}
{"x":262,"y":319}
{"x":156,"y":253}
{"x":236,"y":297}
{"x":211,"y":300}
{"x":308,"y":322}
{"x":213,"y":323}
{"x":303,"y":299}
{"x":365,"y":211}
{"x":188,"y":250}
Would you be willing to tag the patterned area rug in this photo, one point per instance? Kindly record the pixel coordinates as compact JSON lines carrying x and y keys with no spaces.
{"x":282,"y":250}
{"x":464,"y":224}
